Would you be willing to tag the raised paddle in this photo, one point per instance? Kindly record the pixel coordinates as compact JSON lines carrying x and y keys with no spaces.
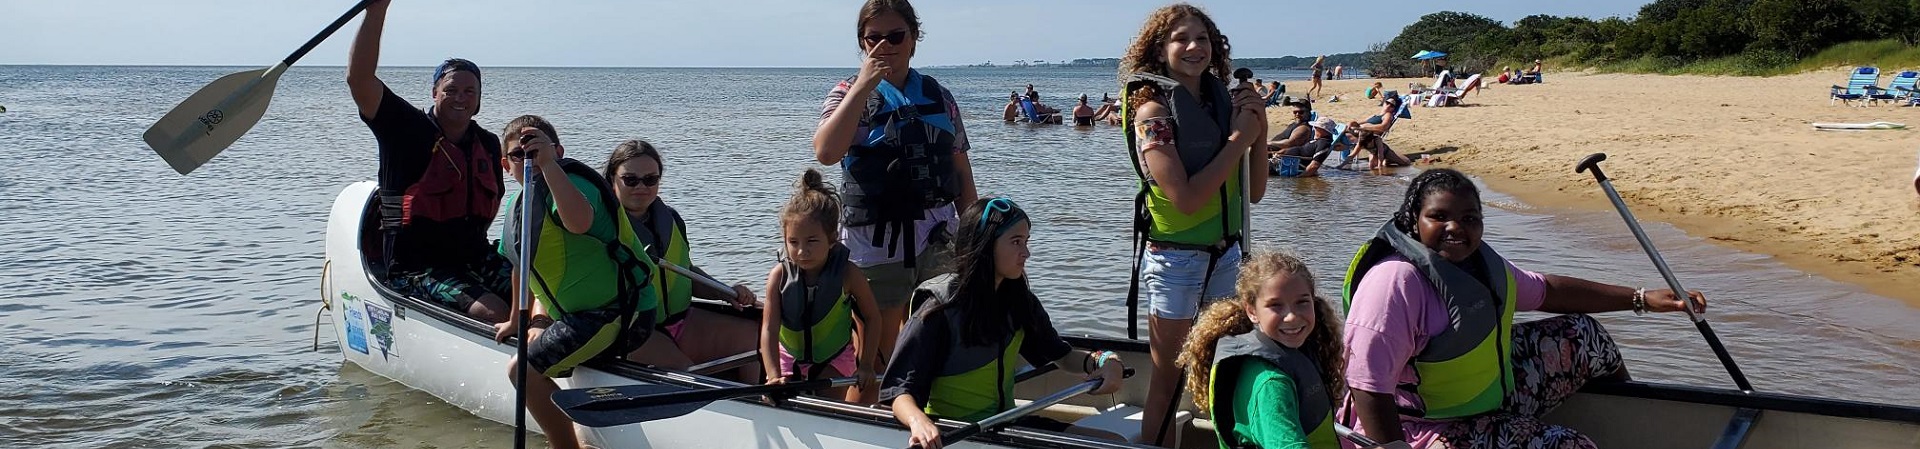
{"x":1003,"y":418}
{"x":523,"y":302}
{"x":1592,"y":162}
{"x":628,"y":404}
{"x":217,"y":115}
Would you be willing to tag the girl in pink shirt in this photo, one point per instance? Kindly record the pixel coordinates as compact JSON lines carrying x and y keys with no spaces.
{"x":1425,"y":295}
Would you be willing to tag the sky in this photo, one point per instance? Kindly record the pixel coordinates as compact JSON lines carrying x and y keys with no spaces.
{"x":692,"y":33}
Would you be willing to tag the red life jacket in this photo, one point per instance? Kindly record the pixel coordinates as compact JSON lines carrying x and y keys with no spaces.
{"x":455,"y":185}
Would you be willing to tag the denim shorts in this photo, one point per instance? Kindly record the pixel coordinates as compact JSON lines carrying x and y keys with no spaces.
{"x":1171,"y":278}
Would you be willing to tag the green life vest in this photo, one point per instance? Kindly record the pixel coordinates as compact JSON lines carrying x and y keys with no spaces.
{"x":1200,"y":130}
{"x":976,"y":381}
{"x":816,"y":321}
{"x":665,"y":235}
{"x":1310,"y":391}
{"x":1466,"y":367}
{"x":576,"y":272}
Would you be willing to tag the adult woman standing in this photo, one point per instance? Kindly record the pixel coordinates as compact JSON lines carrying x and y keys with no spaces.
{"x":636,"y":171}
{"x":902,"y":151}
{"x":1434,"y":354}
{"x":1190,"y":207}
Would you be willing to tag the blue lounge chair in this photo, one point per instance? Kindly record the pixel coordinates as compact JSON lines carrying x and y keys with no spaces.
{"x":1861,"y":86}
{"x":1903,"y":86}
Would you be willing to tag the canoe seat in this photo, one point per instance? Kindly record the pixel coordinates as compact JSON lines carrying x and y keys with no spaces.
{"x":725,"y":364}
{"x":1122,"y":423}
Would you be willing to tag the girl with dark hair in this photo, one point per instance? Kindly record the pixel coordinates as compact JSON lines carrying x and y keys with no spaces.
{"x":902,"y":152}
{"x":1433,"y":353}
{"x":819,"y":318}
{"x":636,"y":171}
{"x":1267,"y":364}
{"x":953,"y":358}
{"x":1188,"y":138}
{"x":1370,"y":135}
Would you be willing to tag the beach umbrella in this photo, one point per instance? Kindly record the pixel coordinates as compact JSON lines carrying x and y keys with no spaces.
{"x":1429,"y":54}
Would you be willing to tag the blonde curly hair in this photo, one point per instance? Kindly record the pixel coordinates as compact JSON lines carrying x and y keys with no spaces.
{"x":1148,"y":52}
{"x":1229,"y":317}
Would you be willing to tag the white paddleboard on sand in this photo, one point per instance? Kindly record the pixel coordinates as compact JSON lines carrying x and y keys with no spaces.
{"x":1874,"y":125}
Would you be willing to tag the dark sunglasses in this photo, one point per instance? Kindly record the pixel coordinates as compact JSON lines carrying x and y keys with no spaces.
{"x":522,"y":155}
{"x":893,"y":38}
{"x":636,"y":180}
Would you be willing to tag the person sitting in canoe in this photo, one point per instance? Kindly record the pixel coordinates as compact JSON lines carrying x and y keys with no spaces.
{"x":1188,"y":139}
{"x":637,"y":172}
{"x":971,"y":330}
{"x":815,"y":296}
{"x":1433,"y":354}
{"x":902,"y":150}
{"x":590,"y":274}
{"x":1267,"y":364}
{"x":440,"y":183}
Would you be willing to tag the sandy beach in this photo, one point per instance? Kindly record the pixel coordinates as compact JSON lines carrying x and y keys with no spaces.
{"x":1731,"y":159}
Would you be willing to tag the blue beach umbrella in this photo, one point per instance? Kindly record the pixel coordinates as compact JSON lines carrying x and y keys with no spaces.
{"x":1429,"y":54}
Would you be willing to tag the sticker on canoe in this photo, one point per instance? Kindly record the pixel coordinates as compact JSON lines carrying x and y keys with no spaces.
{"x":382,"y":329}
{"x":356,"y":323}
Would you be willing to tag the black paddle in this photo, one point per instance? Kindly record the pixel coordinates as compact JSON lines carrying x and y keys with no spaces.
{"x":628,"y":404}
{"x":1592,"y":162}
{"x":1366,"y":443}
{"x":217,"y":115}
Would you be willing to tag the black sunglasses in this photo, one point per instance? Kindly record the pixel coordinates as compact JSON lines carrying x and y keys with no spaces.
{"x":636,"y":180}
{"x":522,"y":155}
{"x":893,"y":38}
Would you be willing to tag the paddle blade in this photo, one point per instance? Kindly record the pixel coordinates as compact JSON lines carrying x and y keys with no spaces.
{"x":213,"y":118}
{"x":571,"y":401}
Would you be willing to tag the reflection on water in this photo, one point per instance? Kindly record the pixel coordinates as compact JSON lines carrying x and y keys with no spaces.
{"x":143,"y":308}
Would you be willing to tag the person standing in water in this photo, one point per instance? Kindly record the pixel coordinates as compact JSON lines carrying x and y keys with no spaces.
{"x":902,"y":151}
{"x":1188,"y":139}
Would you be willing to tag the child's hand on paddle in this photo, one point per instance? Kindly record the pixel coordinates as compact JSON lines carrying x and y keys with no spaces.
{"x":743,"y":297}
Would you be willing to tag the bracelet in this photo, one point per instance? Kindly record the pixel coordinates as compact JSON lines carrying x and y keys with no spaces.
{"x":1640,"y":301}
{"x":1097,"y":359}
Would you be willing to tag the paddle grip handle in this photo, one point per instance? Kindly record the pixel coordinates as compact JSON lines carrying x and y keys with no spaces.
{"x":322,"y":37}
{"x":1592,"y":162}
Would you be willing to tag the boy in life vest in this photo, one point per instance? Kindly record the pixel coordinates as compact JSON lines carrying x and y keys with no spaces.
{"x":588,"y":272}
{"x":1267,"y":364}
{"x":815,"y":297}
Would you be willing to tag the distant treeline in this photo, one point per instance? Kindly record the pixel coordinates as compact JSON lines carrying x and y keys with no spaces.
{"x":1740,"y":36}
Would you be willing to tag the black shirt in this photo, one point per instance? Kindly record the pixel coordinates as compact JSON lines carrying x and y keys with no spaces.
{"x":406,"y":136}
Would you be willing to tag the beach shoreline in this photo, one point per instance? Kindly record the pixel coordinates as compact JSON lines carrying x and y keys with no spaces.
{"x":1733,"y":160}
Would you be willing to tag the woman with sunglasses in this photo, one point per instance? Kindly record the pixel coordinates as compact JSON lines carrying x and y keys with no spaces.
{"x":1188,"y":139}
{"x":635,"y":169}
{"x":903,"y":156}
{"x":958,"y":356}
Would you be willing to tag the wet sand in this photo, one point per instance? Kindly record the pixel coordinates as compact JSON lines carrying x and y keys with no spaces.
{"x":1731,"y":159}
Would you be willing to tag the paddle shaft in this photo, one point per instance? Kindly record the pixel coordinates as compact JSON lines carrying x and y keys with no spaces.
{"x":1713,"y":341}
{"x":696,"y":277}
{"x":523,"y":308}
{"x":1002,"y":418}
{"x":1355,"y":437}
{"x":322,"y":37}
{"x":715,"y":394}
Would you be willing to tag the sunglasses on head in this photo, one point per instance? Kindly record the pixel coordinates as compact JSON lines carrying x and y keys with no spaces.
{"x":997,"y":204}
{"x":893,"y":38}
{"x":631,"y":180}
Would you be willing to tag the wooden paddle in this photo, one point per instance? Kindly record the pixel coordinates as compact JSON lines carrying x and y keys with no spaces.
{"x":629,"y":404}
{"x":213,"y":118}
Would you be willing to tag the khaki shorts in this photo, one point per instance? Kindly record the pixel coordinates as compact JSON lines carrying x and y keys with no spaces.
{"x":893,"y":283}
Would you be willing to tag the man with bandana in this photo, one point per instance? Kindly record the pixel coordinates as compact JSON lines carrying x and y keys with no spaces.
{"x":440,"y":182}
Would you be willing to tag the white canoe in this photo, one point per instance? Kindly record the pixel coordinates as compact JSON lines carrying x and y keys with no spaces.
{"x":431,"y":348}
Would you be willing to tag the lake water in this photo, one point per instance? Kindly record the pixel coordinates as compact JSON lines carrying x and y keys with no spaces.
{"x":142,"y":308}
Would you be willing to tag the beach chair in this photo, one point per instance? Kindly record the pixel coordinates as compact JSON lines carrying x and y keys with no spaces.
{"x":1861,"y":86}
{"x":1903,"y":86}
{"x":1032,"y":113}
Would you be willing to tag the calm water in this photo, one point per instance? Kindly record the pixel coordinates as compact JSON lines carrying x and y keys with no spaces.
{"x":141,"y":308}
